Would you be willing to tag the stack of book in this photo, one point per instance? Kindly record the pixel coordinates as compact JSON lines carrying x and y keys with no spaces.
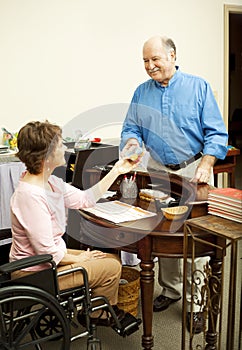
{"x":226,"y":202}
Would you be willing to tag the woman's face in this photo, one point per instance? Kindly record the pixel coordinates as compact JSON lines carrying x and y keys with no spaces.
{"x":57,"y":157}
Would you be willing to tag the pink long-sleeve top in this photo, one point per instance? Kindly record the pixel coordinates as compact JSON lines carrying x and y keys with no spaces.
{"x":39,"y":218}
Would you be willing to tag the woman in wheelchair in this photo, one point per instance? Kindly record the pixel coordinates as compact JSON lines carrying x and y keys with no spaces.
{"x":38,"y":214}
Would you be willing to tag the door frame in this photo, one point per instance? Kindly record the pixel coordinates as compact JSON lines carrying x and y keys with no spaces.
{"x":227,"y":10}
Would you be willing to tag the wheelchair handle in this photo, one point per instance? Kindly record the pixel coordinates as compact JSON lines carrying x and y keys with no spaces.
{"x":25,"y":262}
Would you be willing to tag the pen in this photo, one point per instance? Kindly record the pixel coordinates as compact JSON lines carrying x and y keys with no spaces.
{"x":134,"y":178}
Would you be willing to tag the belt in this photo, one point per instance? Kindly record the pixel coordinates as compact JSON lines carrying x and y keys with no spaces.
{"x":185,"y":163}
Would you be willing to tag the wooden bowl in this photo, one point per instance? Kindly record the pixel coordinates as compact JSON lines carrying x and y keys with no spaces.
{"x":175,"y":213}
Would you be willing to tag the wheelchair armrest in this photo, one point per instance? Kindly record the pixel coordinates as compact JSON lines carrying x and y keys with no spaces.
{"x":25,"y":262}
{"x":85,"y":279}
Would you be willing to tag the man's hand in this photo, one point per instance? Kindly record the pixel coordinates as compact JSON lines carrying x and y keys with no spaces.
{"x":132,"y":150}
{"x":204,"y":170}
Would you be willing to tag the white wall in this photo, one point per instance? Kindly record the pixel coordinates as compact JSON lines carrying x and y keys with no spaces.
{"x":61,"y":58}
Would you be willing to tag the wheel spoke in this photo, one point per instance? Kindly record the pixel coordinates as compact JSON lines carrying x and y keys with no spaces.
{"x":34,"y":326}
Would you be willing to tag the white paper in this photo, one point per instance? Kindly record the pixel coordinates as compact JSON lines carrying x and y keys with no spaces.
{"x":117,"y":211}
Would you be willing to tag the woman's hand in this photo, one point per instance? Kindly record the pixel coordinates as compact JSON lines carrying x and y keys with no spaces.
{"x":70,"y":258}
{"x":124,"y":166}
{"x":91,"y":254}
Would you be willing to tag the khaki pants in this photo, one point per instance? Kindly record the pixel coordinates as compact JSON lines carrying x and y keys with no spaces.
{"x":170,"y":275}
{"x":103,"y":276}
{"x":188,"y":171}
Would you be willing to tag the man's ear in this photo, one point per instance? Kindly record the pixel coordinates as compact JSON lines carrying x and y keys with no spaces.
{"x":172,"y":55}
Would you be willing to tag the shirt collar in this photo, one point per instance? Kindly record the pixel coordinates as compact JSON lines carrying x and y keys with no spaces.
{"x":172,"y":80}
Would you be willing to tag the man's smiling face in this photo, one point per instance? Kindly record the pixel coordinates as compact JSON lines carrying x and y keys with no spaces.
{"x":159,"y":64}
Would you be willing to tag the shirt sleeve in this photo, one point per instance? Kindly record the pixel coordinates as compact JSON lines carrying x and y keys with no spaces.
{"x":215,"y":134}
{"x":76,"y":199}
{"x":131,"y":128}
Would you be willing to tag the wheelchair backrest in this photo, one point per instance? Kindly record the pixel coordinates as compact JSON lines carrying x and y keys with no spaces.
{"x":5,"y":244}
{"x":44,"y":280}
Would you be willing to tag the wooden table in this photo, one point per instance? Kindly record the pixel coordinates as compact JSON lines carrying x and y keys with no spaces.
{"x":227,"y":166}
{"x":151,"y":237}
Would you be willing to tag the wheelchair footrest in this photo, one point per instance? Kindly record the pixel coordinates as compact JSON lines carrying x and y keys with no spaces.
{"x":129,"y":324}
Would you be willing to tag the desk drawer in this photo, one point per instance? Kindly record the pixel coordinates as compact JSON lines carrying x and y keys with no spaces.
{"x":106,"y":237}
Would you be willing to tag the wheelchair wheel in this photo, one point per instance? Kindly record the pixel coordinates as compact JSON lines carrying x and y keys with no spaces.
{"x":22,"y":309}
{"x":48,"y":324}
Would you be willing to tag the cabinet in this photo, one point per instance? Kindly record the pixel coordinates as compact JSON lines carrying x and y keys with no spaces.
{"x":227,"y":166}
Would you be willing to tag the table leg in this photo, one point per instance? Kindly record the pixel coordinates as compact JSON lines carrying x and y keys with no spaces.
{"x":147,"y":291}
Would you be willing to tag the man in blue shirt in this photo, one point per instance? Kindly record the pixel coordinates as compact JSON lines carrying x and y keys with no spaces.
{"x":176,"y":117}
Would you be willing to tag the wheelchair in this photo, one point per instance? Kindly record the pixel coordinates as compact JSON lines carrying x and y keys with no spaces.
{"x":35,"y":314}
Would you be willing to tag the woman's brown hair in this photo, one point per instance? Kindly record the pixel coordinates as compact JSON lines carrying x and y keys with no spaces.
{"x":36,"y":140}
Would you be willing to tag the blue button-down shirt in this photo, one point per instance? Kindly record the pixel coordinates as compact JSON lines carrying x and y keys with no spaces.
{"x":177,"y":121}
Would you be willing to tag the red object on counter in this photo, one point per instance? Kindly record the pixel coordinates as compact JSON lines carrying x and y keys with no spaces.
{"x":96,"y":139}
